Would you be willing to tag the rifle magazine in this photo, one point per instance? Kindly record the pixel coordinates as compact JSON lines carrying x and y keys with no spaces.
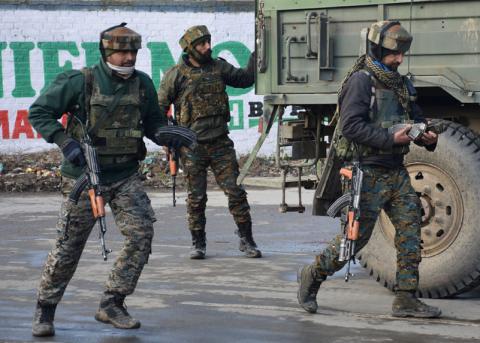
{"x":334,"y":210}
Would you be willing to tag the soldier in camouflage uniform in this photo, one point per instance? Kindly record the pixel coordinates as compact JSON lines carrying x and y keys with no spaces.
{"x":196,"y":86}
{"x":117,"y":105}
{"x":374,"y":97}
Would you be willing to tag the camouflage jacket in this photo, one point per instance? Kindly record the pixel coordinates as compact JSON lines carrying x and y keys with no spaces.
{"x":66,"y":95}
{"x":205,"y":108}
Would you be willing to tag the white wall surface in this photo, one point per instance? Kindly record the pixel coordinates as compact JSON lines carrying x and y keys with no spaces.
{"x":25,"y":61}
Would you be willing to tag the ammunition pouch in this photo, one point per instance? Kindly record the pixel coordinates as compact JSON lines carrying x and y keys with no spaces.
{"x":204,"y":96}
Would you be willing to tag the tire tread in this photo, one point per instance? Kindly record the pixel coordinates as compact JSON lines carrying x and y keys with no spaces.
{"x":450,"y":288}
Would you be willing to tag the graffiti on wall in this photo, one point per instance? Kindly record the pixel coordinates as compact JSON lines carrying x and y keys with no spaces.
{"x":29,"y":65}
{"x":161,"y":57}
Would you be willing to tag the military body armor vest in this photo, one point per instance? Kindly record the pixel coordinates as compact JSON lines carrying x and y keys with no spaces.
{"x":204,"y":96}
{"x":114,"y":122}
{"x":385,"y":111}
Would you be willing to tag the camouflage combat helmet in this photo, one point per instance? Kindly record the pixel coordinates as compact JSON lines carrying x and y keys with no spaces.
{"x":193,"y":35}
{"x":119,"y":37}
{"x":386,"y":37}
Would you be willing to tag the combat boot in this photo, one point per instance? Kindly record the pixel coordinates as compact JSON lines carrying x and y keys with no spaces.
{"x":308,"y":285}
{"x":406,"y":304}
{"x":42,"y":325}
{"x":199,"y":245}
{"x":247,"y":244}
{"x":112,"y":310}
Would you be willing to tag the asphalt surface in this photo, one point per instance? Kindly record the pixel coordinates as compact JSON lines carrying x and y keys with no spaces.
{"x":225,"y":298}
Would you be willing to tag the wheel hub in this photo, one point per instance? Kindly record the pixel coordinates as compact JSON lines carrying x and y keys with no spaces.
{"x":427,"y":208}
{"x":442,"y":208}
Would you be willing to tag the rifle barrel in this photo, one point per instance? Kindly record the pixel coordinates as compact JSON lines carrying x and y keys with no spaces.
{"x":174,"y":181}
{"x":103,"y":230}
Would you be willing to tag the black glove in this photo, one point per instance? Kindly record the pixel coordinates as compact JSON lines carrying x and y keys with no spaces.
{"x":175,"y":137}
{"x":72,"y":150}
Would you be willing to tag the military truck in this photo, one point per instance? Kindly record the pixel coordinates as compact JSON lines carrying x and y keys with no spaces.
{"x":304,"y":49}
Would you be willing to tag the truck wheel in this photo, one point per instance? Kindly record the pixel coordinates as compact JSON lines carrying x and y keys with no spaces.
{"x":447,"y":182}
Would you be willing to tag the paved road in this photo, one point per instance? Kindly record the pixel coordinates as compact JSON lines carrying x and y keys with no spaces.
{"x":225,"y":298}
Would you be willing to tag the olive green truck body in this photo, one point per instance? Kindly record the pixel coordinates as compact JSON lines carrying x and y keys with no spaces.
{"x":305,"y":48}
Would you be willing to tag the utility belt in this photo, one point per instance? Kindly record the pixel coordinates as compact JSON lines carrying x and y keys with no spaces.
{"x":347,"y":151}
{"x":213,"y":140}
{"x":117,"y":133}
{"x":115,"y":160}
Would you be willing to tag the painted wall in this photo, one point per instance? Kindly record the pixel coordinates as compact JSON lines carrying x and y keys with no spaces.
{"x":38,"y":43}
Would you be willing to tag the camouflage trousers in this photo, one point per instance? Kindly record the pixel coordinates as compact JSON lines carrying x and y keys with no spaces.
{"x":391,"y":191}
{"x":221,"y":157}
{"x":134,"y":217}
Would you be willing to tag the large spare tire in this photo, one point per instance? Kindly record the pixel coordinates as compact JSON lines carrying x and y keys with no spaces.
{"x":448,"y":183}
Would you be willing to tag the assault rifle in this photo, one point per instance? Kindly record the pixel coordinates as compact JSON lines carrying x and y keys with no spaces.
{"x":173,"y":166}
{"x":351,"y":201}
{"x":418,"y":129}
{"x":91,"y":178}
